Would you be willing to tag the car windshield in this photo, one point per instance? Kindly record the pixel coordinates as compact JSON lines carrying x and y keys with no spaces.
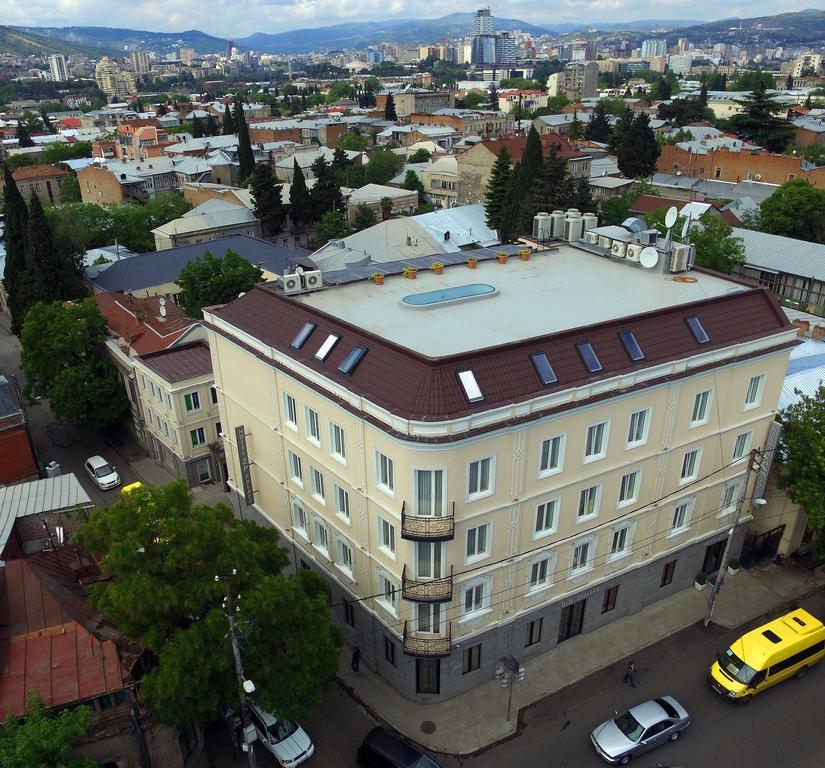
{"x":736,"y":668}
{"x":629,"y":726}
{"x":103,"y":470}
{"x":282,"y":730}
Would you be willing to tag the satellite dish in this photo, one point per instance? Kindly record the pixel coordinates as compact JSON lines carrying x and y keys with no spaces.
{"x":649,"y":257}
{"x":671,"y":216}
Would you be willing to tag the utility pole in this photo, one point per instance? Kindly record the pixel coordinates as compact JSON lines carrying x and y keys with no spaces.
{"x":740,"y":503}
{"x":244,"y":686}
{"x":508,"y":671}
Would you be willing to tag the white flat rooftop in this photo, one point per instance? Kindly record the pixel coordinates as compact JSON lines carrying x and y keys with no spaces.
{"x":552,"y":292}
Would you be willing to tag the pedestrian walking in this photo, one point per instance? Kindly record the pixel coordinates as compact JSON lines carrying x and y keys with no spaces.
{"x":356,"y":659}
{"x":630,"y":674}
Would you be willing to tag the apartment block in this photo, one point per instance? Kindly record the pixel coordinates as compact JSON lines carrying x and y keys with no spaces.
{"x":492,"y":461}
{"x":409,"y":101}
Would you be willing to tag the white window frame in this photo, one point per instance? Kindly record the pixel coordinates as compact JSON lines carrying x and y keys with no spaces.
{"x":337,"y":439}
{"x":290,"y":411}
{"x":759,"y":388}
{"x":312,"y":424}
{"x":644,"y":414}
{"x":299,"y":519}
{"x":486,"y":531}
{"x":731,"y":492}
{"x":340,"y":500}
{"x":296,"y":468}
{"x":535,"y":581}
{"x":388,"y":593}
{"x":384,"y":473}
{"x":438,"y":506}
{"x":317,"y":485}
{"x":597,"y":497}
{"x":561,"y":441}
{"x":687,"y":504}
{"x":194,"y":398}
{"x":320,"y":536}
{"x":479,"y":492}
{"x":199,"y":431}
{"x":590,"y":457}
{"x":386,"y":537}
{"x":624,"y":533}
{"x":342,"y":547}
{"x":741,"y":447}
{"x":696,"y":465}
{"x":481,"y":585}
{"x":636,"y":481}
{"x":554,"y":506}
{"x":705,"y":416}
{"x":587,"y":564}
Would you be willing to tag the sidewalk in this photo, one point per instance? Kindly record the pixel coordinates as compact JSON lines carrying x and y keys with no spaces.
{"x":152,"y":473}
{"x":473,"y":720}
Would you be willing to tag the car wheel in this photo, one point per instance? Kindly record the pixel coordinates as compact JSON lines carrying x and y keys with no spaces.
{"x":625,"y":760}
{"x":745,"y":700}
{"x":675,"y":735}
{"x":801,"y":672}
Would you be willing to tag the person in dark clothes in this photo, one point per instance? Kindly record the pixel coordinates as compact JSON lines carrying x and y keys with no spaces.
{"x":356,"y":659}
{"x":630,"y":674}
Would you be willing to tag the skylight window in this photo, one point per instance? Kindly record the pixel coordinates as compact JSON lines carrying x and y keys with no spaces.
{"x":351,"y":361}
{"x":302,"y":336}
{"x":631,"y":346}
{"x":588,"y":356}
{"x":326,"y":347}
{"x":470,"y":386}
{"x":543,"y":368}
{"x":697,"y":330}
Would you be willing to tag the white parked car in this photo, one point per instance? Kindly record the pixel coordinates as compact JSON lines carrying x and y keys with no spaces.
{"x":285,"y":739}
{"x":102,"y":473}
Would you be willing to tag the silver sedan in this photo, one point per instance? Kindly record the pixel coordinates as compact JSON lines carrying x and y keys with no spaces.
{"x":641,"y":728}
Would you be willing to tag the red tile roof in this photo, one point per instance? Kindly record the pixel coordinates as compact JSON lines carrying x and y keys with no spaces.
{"x":414,"y":386}
{"x":516,"y":144}
{"x":139,"y":323}
{"x":188,"y":361}
{"x":35,"y":172}
{"x":45,"y":649}
{"x":649,"y":203}
{"x":18,"y":461}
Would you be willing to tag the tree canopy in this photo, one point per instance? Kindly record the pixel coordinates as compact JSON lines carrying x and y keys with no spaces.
{"x":598,"y":126}
{"x":16,"y":225}
{"x":497,"y":188}
{"x":389,"y":109}
{"x":352,"y":141}
{"x":163,"y":553}
{"x":267,"y":192}
{"x":64,"y":359}
{"x":636,"y":147}
{"x":212,"y":280}
{"x":363,"y":217}
{"x":760,"y":122}
{"x":382,"y":166}
{"x":796,"y":209}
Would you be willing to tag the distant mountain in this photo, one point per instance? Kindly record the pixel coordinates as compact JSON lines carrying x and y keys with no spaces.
{"x":112,"y":39}
{"x":799,"y":28}
{"x":22,"y":43}
{"x":639,"y":25}
{"x":358,"y":35}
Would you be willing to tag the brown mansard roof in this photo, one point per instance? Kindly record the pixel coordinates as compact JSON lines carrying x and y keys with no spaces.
{"x":417,"y":387}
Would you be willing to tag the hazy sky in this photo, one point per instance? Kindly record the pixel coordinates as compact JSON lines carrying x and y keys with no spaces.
{"x":236,"y":18}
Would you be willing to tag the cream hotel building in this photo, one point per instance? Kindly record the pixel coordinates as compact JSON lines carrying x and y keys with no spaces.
{"x":493,"y":460}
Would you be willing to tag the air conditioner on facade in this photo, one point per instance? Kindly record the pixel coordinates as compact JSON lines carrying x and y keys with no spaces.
{"x":292,"y":283}
{"x":591,"y":237}
{"x":680,"y":258}
{"x":604,"y":242}
{"x":618,"y":249}
{"x":313,"y":280}
{"x":633,"y":251}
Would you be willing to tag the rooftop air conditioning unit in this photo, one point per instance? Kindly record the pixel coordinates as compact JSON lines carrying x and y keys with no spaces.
{"x":591,"y":237}
{"x":618,"y":249}
{"x":313,"y":280}
{"x":292,"y":283}
{"x":633,"y":251}
{"x":573,"y":229}
{"x":647,"y":237}
{"x":604,"y":242}
{"x":680,"y":258}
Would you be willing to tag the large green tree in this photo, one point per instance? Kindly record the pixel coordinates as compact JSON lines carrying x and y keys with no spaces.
{"x":325,"y":193}
{"x":802,"y":458}
{"x":228,"y":122}
{"x":352,"y":141}
{"x":762,"y":121}
{"x":331,"y":226}
{"x":797,"y":210}
{"x":211,"y":280}
{"x":389,"y":109}
{"x":64,"y":359}
{"x":382,"y":166}
{"x":638,"y":152}
{"x":616,"y":209}
{"x":246,"y":158}
{"x":413,"y":182}
{"x":497,"y":188}
{"x":162,"y":554}
{"x":267,"y":195}
{"x":598,"y":127}
{"x":44,"y":739}
{"x":363,"y":217}
{"x":16,"y":225}
{"x":300,"y":202}
{"x":532,"y":159}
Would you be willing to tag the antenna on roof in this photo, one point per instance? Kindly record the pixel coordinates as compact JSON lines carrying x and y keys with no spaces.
{"x":670,"y":219}
{"x":686,"y":226}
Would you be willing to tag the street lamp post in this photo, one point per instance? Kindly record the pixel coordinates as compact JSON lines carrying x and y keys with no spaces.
{"x":508,"y":671}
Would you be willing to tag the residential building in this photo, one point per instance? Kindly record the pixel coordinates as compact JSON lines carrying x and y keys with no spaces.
{"x":142,"y":139}
{"x":578,"y":80}
{"x":404,"y":201}
{"x":807,"y":63}
{"x":285,"y":167}
{"x":657,"y":47}
{"x":58,"y":69}
{"x":695,"y":208}
{"x":411,"y":134}
{"x":809,"y":131}
{"x":141,"y":62}
{"x":476,"y":163}
{"x":440,"y":180}
{"x":490,"y":468}
{"x":16,"y":446}
{"x":530,"y":99}
{"x":207,"y":221}
{"x":179,"y":402}
{"x":411,"y":100}
{"x":469,"y":122}
{"x":112,"y":80}
{"x":41,"y":180}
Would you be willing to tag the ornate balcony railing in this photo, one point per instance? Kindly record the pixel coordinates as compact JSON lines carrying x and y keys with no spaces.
{"x":438,"y":590}
{"x":426,"y":645}
{"x":425,"y":528}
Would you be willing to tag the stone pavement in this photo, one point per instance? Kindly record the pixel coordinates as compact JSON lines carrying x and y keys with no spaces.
{"x":475,"y":720}
{"x":152,"y":473}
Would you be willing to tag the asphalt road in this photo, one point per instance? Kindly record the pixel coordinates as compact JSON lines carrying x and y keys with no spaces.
{"x":782,"y":727}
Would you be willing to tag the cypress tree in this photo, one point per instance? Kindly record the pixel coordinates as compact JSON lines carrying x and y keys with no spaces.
{"x":47,"y":124}
{"x":511,"y":207}
{"x":16,"y":217}
{"x":246,"y":158}
{"x":300,"y":203}
{"x":269,"y":204}
{"x":639,"y":151}
{"x":389,"y":109}
{"x":325,"y":193}
{"x":197,"y":128}
{"x":497,"y":188}
{"x":598,"y":127}
{"x":228,"y":123}
{"x":532,"y":159}
{"x":22,"y":135}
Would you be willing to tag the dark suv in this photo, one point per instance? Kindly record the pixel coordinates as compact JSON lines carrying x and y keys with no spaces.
{"x":384,"y":749}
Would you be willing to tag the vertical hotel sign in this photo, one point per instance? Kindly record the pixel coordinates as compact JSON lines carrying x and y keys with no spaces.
{"x":243,"y":459}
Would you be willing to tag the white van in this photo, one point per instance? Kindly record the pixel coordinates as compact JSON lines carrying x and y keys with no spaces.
{"x":285,"y":739}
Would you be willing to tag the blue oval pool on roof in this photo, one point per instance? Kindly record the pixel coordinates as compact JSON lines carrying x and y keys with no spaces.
{"x":447,"y":295}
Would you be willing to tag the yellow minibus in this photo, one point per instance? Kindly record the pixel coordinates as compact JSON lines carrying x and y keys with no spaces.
{"x":768,"y":655}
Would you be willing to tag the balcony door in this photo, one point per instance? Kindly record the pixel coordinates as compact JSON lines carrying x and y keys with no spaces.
{"x":428,"y":618}
{"x":429,"y":492}
{"x":429,"y":559}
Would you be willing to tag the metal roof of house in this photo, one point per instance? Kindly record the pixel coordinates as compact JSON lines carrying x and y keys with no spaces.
{"x":783,"y":254}
{"x":806,"y":372}
{"x":190,"y":361}
{"x":213,"y":214}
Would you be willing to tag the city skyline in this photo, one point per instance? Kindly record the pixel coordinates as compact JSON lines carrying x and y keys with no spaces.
{"x":238,"y":18}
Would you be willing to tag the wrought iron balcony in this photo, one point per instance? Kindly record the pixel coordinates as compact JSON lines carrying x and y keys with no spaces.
{"x":426,"y":528}
{"x":427,"y":645}
{"x":438,"y":590}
